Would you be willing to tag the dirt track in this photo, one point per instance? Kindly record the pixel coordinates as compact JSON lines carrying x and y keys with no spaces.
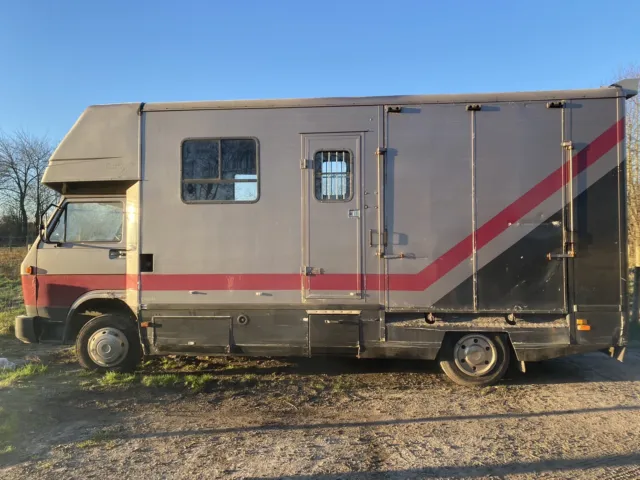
{"x":323,"y":419}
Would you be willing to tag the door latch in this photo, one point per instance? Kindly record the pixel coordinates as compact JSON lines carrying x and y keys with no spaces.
{"x":571,"y":253}
{"x":117,"y":253}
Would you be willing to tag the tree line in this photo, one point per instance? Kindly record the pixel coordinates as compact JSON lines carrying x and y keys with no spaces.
{"x":632,"y":126}
{"x":23,"y":159}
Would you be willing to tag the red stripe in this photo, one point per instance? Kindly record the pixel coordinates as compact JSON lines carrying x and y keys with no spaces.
{"x":29,"y":289}
{"x":64,"y":289}
{"x":250,"y":281}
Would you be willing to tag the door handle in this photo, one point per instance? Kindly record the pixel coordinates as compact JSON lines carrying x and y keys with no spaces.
{"x":558,"y":256}
{"x":115,"y":253}
{"x":341,"y":322}
{"x":570,"y":253}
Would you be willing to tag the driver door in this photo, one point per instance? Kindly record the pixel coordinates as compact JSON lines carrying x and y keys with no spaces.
{"x":85,"y":252}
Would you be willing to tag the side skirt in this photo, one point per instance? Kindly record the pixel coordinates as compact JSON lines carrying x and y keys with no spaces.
{"x":299,"y":332}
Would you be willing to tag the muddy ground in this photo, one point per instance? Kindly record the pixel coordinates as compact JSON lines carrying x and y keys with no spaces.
{"x":577,"y":417}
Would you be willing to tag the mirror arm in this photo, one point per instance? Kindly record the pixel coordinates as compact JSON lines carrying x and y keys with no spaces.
{"x":43,"y":227}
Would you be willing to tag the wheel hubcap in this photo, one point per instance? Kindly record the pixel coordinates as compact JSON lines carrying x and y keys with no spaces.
{"x":475,"y":354}
{"x":108,"y":347}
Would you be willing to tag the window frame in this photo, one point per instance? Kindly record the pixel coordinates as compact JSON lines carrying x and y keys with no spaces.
{"x":350,"y":176}
{"x":63,"y":213}
{"x":219,"y":180}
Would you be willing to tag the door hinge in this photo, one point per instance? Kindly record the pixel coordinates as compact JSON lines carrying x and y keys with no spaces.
{"x":568,"y":145}
{"x":304,"y":163}
{"x":308,"y":271}
{"x":381,"y":151}
{"x":558,"y":104}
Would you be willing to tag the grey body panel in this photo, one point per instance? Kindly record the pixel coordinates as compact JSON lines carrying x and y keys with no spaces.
{"x":102,"y":146}
{"x":239,"y":239}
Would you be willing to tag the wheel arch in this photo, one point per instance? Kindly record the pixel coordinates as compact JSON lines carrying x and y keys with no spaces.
{"x":450,"y":335}
{"x":98,"y":302}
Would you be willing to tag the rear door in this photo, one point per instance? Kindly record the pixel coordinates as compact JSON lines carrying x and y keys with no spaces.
{"x":474,"y":208}
{"x":87,"y":253}
{"x":428,"y":206}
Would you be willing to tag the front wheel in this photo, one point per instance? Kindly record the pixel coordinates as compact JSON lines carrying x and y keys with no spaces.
{"x":109,"y":343}
{"x":475,"y":359}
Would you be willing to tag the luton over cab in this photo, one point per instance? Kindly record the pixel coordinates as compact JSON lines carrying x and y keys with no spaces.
{"x":475,"y":230}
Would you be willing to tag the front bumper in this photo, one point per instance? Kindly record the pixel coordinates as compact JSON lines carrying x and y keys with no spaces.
{"x":27,"y":328}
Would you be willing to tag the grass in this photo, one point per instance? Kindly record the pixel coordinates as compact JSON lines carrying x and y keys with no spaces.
{"x":163,"y":380}
{"x":8,"y":427}
{"x":101,"y":438}
{"x":7,"y":449}
{"x":196,"y":383}
{"x":342,"y":385}
{"x":9,"y":377}
{"x":10,"y":260}
{"x":7,"y":319}
{"x":11,"y":303}
{"x":66,"y":356}
{"x":318,"y":386}
{"x":45,"y":465}
{"x":115,"y":379}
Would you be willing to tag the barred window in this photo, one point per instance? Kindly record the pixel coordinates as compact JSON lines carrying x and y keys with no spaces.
{"x":333,"y":175}
{"x":221,"y":170}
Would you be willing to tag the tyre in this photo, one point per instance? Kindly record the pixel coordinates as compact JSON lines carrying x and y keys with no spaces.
{"x":475,"y":359}
{"x":109,"y":343}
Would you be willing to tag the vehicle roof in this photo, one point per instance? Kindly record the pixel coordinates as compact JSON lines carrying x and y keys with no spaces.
{"x":604,"y":92}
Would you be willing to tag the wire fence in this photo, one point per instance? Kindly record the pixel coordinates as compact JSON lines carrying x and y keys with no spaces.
{"x":10,"y":285}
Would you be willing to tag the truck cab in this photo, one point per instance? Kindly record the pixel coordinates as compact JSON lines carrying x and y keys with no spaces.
{"x":76,"y":269}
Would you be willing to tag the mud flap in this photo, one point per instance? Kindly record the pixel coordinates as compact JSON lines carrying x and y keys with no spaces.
{"x":617,"y":353}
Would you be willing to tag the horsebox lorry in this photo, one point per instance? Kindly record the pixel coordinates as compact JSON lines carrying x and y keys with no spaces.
{"x":470,"y":229}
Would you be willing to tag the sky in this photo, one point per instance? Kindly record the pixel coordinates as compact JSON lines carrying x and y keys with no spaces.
{"x":58,"y":57}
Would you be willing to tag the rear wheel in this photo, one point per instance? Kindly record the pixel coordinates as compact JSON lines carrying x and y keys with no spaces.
{"x":475,"y":359}
{"x":108,"y":343}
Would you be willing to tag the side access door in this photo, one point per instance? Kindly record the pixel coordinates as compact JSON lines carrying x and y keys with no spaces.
{"x":332,"y":252}
{"x":85,"y":253}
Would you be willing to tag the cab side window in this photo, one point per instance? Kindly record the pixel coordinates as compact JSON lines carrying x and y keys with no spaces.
{"x":89,"y":222}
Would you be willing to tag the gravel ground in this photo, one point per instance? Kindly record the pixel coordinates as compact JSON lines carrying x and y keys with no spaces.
{"x":317,"y":419}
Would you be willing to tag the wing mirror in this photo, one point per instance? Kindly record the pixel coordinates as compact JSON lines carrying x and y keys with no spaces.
{"x":44,"y":230}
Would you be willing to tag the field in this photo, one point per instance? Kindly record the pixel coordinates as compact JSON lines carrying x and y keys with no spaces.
{"x":10,"y":290}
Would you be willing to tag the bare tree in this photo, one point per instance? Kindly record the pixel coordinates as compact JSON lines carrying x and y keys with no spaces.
{"x":632,"y":126}
{"x":633,"y":167}
{"x":36,"y":152}
{"x":23,"y":159}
